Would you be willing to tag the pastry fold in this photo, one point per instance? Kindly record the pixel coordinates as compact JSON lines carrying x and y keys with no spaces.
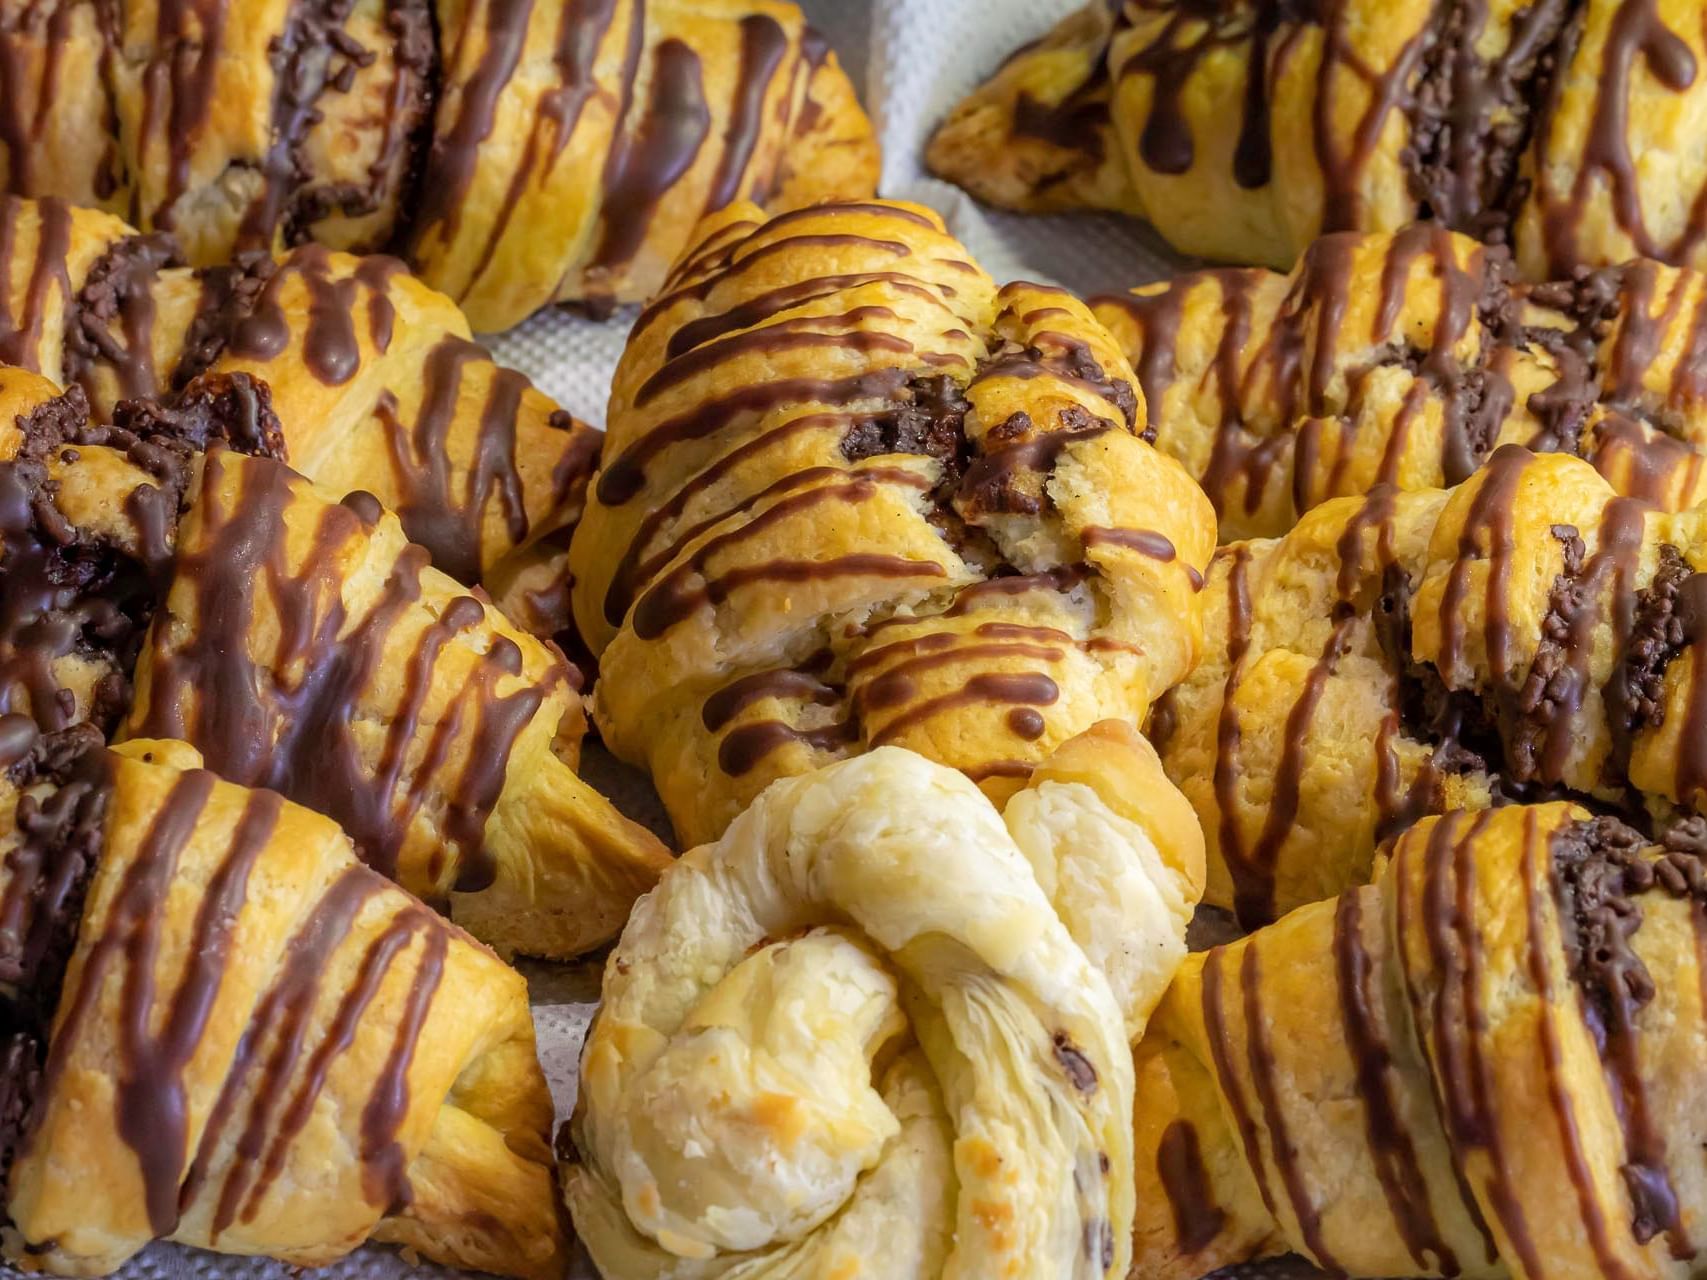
{"x":817,"y":1053}
{"x":1527,"y":633}
{"x":852,"y":495}
{"x":222,"y":1029}
{"x":519,"y":152}
{"x":1485,"y":1063}
{"x":1407,"y":358}
{"x":1243,"y":131}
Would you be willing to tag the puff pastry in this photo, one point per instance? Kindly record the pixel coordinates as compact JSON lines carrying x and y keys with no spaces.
{"x":519,"y":152}
{"x":1565,"y":128}
{"x":304,"y":644}
{"x":818,"y":1055}
{"x":1406,"y":358}
{"x":1486,"y":1063}
{"x":852,"y":494}
{"x":1529,"y":632}
{"x":222,"y":1029}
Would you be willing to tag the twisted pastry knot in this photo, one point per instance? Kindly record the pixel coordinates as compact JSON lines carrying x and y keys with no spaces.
{"x":453,"y":131}
{"x":1242,"y":132}
{"x":854,"y":495}
{"x":820,"y":1053}
{"x":1505,"y":1026}
{"x":1407,"y":358}
{"x":222,"y":1029}
{"x":372,"y":380}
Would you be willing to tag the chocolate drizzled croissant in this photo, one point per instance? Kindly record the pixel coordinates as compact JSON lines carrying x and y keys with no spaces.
{"x":519,"y":153}
{"x":1244,"y":131}
{"x":305,"y":645}
{"x":819,"y":1054}
{"x":222,"y":1029}
{"x":853,"y":494}
{"x":1530,"y":631}
{"x":1487,"y":1062}
{"x":1406,"y":359}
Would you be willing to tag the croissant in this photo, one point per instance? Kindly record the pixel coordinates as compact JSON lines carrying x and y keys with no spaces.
{"x":1486,"y":1062}
{"x":1406,"y":358}
{"x":519,"y":153}
{"x":373,"y":378}
{"x":220,"y":1028}
{"x":305,"y":645}
{"x":818,"y":1054}
{"x":1243,"y":131}
{"x":1529,"y":632}
{"x":853,"y":495}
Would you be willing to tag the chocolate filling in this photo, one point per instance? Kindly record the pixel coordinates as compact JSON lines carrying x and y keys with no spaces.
{"x":45,"y":879}
{"x":228,"y":295}
{"x":234,"y":409}
{"x":1528,"y":714}
{"x":120,"y":278}
{"x":929,"y":420}
{"x":1634,"y":695}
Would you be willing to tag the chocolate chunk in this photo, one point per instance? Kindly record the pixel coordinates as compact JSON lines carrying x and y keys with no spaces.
{"x":1078,"y":1067}
{"x":1635,"y":699}
{"x":234,"y":409}
{"x":929,"y":419}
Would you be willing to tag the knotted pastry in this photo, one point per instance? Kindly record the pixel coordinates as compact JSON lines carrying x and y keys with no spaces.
{"x":220,"y":1028}
{"x":305,"y":645}
{"x":1243,"y":131}
{"x":854,"y":495}
{"x":1487,"y":1062}
{"x":819,"y":1054}
{"x":1529,"y":631}
{"x":374,"y":380}
{"x":521,"y":153}
{"x":1406,"y":358}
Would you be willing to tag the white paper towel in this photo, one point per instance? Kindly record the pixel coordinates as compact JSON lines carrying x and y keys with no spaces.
{"x":913,"y":60}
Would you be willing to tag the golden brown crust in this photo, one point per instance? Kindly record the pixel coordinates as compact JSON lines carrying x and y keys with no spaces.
{"x":1407,"y":359}
{"x":1502,"y":1023}
{"x":263,"y":1047}
{"x":569,"y":153}
{"x":1247,"y":130}
{"x":852,"y":494}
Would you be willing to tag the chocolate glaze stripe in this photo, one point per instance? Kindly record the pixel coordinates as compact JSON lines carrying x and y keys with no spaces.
{"x":757,"y":310}
{"x":744,"y":747}
{"x":1391,"y":1150}
{"x":897,"y":684}
{"x":182,"y":67}
{"x":1146,"y":542}
{"x":1491,"y":515}
{"x":1026,"y":689}
{"x":1226,"y":1074}
{"x":21,"y":332}
{"x":763,"y":46}
{"x":330,"y":348}
{"x":1198,"y":1219}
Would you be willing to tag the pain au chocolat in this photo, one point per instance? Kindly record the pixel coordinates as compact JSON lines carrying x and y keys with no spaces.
{"x":1407,"y":359}
{"x":819,"y":1054}
{"x":218,"y":1027}
{"x":1485,"y":1063}
{"x":1565,"y":128}
{"x":303,"y":643}
{"x":1530,"y":631}
{"x":518,"y":152}
{"x":374,"y":379}
{"x":853,"y":494}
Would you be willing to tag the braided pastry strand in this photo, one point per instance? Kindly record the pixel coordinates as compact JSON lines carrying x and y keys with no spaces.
{"x":1486,"y":1062}
{"x":221,"y":1029}
{"x":818,"y":1054}
{"x":518,"y":152}
{"x":853,"y":495}
{"x":1564,"y":128}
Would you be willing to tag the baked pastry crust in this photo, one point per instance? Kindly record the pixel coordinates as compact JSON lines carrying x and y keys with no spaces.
{"x":1407,"y":359}
{"x":261,"y":1045}
{"x":374,"y":378}
{"x":853,"y":494}
{"x":1244,"y":131}
{"x":817,"y":1054}
{"x":1506,"y":1025}
{"x":521,"y":153}
{"x":1529,"y":632}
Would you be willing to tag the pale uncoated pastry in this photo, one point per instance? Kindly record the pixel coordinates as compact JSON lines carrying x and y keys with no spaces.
{"x":221,"y":1028}
{"x":854,"y":495}
{"x":875,"y":1031}
{"x":1565,"y":128}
